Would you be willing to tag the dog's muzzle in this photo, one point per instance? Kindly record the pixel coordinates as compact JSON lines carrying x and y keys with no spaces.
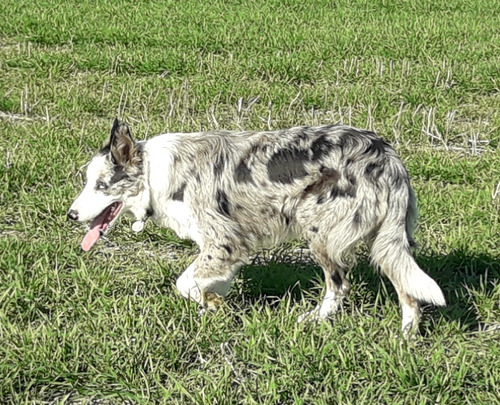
{"x":73,"y":215}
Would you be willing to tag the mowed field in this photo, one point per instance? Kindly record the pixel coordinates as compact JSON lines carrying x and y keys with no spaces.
{"x":107,"y":326}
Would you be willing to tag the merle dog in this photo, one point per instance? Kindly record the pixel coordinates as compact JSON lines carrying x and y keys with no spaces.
{"x":232,"y":192}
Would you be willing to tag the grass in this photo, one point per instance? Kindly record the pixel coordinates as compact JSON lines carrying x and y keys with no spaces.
{"x":108,"y":325}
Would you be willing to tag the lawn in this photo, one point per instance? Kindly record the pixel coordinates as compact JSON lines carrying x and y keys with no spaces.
{"x":108,"y":327}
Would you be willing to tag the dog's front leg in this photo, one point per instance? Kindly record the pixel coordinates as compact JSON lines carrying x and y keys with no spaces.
{"x":207,"y":280}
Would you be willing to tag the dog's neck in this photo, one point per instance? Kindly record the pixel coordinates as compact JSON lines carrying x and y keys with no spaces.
{"x":142,"y":208}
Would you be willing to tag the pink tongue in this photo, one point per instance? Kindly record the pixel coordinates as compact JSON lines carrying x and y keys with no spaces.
{"x":95,"y":230}
{"x":92,"y":237}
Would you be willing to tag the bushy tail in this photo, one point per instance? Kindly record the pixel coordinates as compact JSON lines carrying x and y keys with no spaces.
{"x":391,"y":249}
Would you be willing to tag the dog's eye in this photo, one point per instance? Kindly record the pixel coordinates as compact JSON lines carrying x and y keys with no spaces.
{"x":101,"y":186}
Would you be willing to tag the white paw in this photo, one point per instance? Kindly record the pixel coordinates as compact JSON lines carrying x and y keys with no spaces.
{"x":209,"y":292}
{"x":330,"y":304}
{"x":314,"y":315}
{"x":187,"y":285}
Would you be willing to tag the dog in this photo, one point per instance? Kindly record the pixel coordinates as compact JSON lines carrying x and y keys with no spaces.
{"x":233,"y":192}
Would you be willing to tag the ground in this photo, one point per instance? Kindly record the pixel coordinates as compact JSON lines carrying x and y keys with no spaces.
{"x":108,"y":327}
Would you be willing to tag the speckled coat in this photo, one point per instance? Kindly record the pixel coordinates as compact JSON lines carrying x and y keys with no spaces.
{"x":232,"y":192}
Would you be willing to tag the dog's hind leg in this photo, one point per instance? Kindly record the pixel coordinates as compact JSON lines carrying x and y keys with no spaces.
{"x":401,"y":273}
{"x":337,"y":286}
{"x":410,"y":309}
{"x":392,"y":254}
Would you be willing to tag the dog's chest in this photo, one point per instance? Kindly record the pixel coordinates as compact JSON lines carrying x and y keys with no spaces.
{"x":178,"y":216}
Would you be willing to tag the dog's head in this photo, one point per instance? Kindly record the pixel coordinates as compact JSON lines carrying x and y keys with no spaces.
{"x":113,"y":184}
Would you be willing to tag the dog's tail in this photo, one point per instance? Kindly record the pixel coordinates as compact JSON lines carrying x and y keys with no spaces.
{"x":390,"y":248}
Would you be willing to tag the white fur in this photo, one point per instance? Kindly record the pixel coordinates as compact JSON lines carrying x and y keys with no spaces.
{"x":330,"y":304}
{"x":187,"y":285}
{"x":175,"y":215}
{"x":90,"y":203}
{"x":178,"y":216}
{"x":191,"y":287}
{"x":410,"y":319}
{"x":420,"y":286}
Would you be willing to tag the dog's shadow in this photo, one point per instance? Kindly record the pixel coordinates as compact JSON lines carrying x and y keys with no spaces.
{"x":277,"y":274}
{"x":460,"y":275}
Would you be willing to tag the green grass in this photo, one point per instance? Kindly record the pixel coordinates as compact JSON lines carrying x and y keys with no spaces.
{"x":108,"y":325}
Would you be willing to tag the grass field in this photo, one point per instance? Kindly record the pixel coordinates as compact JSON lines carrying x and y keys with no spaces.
{"x":107,"y":326}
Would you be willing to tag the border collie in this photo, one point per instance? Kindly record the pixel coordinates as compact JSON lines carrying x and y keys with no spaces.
{"x":233,"y":192}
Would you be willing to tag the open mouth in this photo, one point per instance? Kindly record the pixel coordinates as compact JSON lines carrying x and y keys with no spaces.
{"x":100,"y":225}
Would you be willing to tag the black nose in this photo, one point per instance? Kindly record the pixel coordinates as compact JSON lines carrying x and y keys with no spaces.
{"x":73,"y":215}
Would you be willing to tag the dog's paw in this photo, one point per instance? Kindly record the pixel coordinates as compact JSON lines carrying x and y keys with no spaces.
{"x":212,"y":300}
{"x":314,"y":315}
{"x":409,"y":334}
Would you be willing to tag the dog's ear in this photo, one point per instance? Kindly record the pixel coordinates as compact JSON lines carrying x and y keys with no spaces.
{"x":121,"y":143}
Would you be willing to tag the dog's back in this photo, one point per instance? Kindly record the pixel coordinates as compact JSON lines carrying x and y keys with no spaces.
{"x":269,"y":185}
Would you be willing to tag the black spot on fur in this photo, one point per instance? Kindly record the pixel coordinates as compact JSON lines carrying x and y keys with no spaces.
{"x":301,"y":136}
{"x":219,"y":165}
{"x":348,"y":140}
{"x":105,"y":150}
{"x":398,"y":180}
{"x":195,"y":174}
{"x":242,"y":174}
{"x":149,"y":212}
{"x":370,"y":168}
{"x":412,"y":243}
{"x":373,"y":171}
{"x":348,"y":191}
{"x":335,"y":192}
{"x":357,"y":218}
{"x":342,"y":193}
{"x":228,"y":248}
{"x":255,"y":149}
{"x":314,"y":229}
{"x":209,"y":257}
{"x":287,"y":220}
{"x":179,"y":194}
{"x":337,"y":279}
{"x":321,"y":147}
{"x":287,"y":165}
{"x":222,"y":203}
{"x":118,"y":175}
{"x":376,"y":146}
{"x":320,"y":200}
{"x":329,"y":177}
{"x":351,"y":191}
